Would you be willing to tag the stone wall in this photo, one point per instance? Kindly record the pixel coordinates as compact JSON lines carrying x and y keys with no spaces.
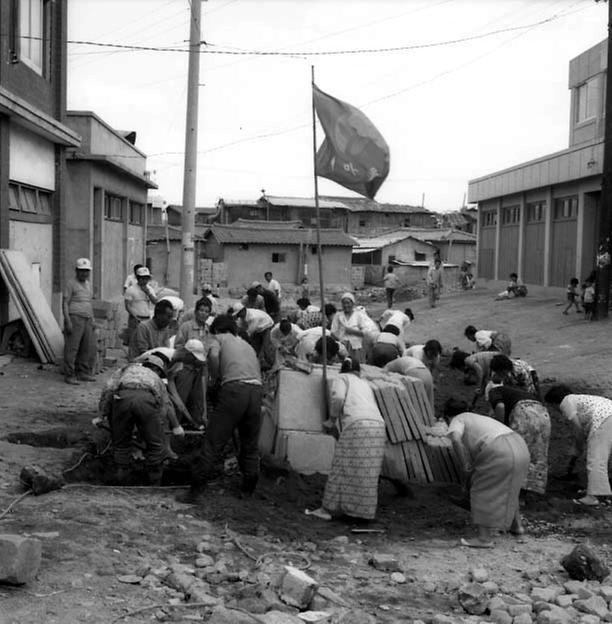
{"x":110,"y":318}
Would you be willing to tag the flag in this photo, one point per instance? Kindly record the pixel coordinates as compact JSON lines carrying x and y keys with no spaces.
{"x":354,"y":153}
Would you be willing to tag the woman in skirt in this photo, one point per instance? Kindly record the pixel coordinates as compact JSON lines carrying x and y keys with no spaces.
{"x":352,"y":485}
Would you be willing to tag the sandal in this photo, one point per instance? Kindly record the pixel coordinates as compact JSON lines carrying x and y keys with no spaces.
{"x":586,"y":501}
{"x":319,"y":513}
{"x":476,"y":543}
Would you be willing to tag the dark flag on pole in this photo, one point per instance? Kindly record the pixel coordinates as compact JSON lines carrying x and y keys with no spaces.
{"x":354,"y":153}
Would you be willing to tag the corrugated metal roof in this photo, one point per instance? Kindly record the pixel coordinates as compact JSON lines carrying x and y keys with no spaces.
{"x":266,"y":225}
{"x":443,"y":234}
{"x":158,"y":232}
{"x":304,"y":202}
{"x":454,"y":219}
{"x":390,"y":238}
{"x":362,"y":204}
{"x":229,"y":234}
{"x":238,"y":202}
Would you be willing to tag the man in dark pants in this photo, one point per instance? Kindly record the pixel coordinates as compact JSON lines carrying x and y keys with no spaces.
{"x":232,"y":363}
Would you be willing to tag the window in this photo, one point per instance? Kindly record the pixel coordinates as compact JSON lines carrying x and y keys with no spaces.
{"x":34,"y":37}
{"x":511,"y":214}
{"x":489,"y":218}
{"x":587,"y":100}
{"x":390,"y":258}
{"x":419,"y":257}
{"x":407,"y":222}
{"x":113,"y":208}
{"x":362,"y":222}
{"x":566,"y":208}
{"x":136,"y":213}
{"x":536,"y":212}
{"x":278,"y":257}
{"x":244,"y":246}
{"x":29,"y":200}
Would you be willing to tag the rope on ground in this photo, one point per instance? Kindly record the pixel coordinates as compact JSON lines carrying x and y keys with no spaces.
{"x":88,"y":454}
{"x":19,"y":498}
{"x":186,"y":605}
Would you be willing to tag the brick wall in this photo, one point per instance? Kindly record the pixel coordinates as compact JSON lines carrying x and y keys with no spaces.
{"x":110,"y":318}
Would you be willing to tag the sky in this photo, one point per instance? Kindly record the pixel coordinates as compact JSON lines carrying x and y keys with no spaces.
{"x":450,"y":112}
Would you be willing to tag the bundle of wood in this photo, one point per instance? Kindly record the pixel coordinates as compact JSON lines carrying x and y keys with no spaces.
{"x":406,"y":410}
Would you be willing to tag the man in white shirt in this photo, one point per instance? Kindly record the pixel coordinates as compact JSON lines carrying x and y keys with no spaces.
{"x":272,"y":284}
{"x":139,"y":300}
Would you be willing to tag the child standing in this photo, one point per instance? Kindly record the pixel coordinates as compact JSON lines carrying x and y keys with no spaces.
{"x":588,"y":300}
{"x":572,"y":295}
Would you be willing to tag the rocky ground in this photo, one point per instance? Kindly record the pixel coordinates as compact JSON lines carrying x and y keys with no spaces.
{"x":112,"y":554}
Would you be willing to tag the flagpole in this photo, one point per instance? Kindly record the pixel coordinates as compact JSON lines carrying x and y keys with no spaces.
{"x":319,"y":254}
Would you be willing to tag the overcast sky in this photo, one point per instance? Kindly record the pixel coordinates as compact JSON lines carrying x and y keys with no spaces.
{"x":448,"y":112}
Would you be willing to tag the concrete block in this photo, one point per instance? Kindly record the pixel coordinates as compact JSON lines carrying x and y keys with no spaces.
{"x":297,"y":588}
{"x":385,"y":563}
{"x":19,"y":559}
{"x":306,"y":452}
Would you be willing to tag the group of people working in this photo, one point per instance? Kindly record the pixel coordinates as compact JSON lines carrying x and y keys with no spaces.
{"x":176,"y":358}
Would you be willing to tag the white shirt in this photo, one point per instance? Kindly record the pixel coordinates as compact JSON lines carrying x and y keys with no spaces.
{"x":397,"y":319}
{"x":586,"y":411}
{"x":391,"y":280}
{"x":475,"y":431}
{"x":137,"y":302}
{"x":357,"y":320}
{"x":257,"y":321}
{"x":130,"y":280}
{"x":307,"y":341}
{"x":404,"y":364}
{"x":275,"y":286}
{"x":417,"y":352}
{"x":484,"y":338}
{"x":352,"y":399}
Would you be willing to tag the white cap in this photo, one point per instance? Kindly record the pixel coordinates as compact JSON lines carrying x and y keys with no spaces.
{"x":237,"y":308}
{"x":206,"y":287}
{"x":83,"y":264}
{"x":196,"y":348}
{"x":143,"y":272}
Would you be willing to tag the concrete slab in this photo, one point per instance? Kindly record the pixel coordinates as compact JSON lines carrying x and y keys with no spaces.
{"x":307,"y":452}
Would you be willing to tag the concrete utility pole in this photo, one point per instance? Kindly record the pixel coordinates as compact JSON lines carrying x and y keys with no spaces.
{"x":191,"y":157}
{"x":605,"y":217}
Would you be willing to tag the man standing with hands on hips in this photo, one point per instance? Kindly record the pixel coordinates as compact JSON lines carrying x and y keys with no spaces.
{"x":79,"y":347}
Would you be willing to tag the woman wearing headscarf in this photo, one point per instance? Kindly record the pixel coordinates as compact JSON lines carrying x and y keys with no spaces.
{"x":489,"y":340}
{"x":494,"y":461}
{"x":352,"y":485}
{"x":349,"y":326}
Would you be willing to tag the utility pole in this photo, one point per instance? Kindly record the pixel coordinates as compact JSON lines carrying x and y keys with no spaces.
{"x":605,"y":217}
{"x":191,"y":157}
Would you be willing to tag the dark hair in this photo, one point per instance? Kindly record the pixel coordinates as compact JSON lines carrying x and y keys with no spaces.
{"x":267,"y":273}
{"x":501,"y":364}
{"x":162,"y":356}
{"x":303,"y":302}
{"x":432,"y":347}
{"x":389,"y":269}
{"x":154,"y":367}
{"x":409,"y":314}
{"x":331,"y":346}
{"x":136,"y":267}
{"x":453,"y":407}
{"x":557,"y":393}
{"x":252,"y":292}
{"x":350,"y":366}
{"x":458,"y":358}
{"x":223,"y":324}
{"x":574,"y":281}
{"x":162,"y":306}
{"x":203,"y":302}
{"x":285,"y":326}
{"x":514,"y":275}
{"x":470,"y":330}
{"x":391,"y":329}
{"x":330,"y":308}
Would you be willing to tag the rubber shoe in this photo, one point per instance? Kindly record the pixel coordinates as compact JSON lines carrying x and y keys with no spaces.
{"x":73,"y":381}
{"x":86,"y":378}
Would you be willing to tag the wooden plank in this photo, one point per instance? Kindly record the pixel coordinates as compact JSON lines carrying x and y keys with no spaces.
{"x":407,"y":412}
{"x":396,"y":433}
{"x":427,"y":408}
{"x":7,"y":277}
{"x":411,"y":450}
{"x":415,"y":410}
{"x":397,"y":413}
{"x":36,"y":301}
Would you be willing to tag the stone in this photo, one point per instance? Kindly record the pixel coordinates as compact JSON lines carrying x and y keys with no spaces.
{"x":524,"y":598}
{"x":39,"y":481}
{"x":315,"y":617}
{"x":496,"y":604}
{"x":605,"y":591}
{"x":565,"y":600}
{"x":385,"y":563}
{"x":398,"y":577}
{"x":19,"y":559}
{"x":546,"y":594}
{"x":297,"y":588}
{"x":130,"y":579}
{"x":203,"y":561}
{"x":356,"y":616}
{"x":221,"y":615}
{"x":491,"y":587}
{"x":517,"y":609}
{"x":478,"y":574}
{"x":584,"y":592}
{"x":179,"y":581}
{"x":440,"y":618}
{"x":500,"y":617}
{"x":582,"y":563}
{"x":595,"y":605}
{"x":523,"y":618}
{"x":555,"y":615}
{"x":199,"y":594}
{"x":279,"y":617}
{"x":332,"y":596}
{"x":589,"y":619}
{"x":572,"y":587}
{"x":473,"y":598}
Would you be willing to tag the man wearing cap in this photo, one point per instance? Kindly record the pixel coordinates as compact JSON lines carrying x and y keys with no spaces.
{"x":139,"y":300}
{"x":155,"y":332}
{"x":79,"y":345}
{"x":233,"y":365}
{"x":135,"y":396}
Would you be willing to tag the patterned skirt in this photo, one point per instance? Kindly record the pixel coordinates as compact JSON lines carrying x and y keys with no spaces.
{"x":352,"y":485}
{"x":531,"y":421}
{"x":501,"y":342}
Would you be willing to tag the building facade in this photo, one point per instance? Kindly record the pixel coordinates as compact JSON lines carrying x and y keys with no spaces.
{"x":33,"y":138}
{"x":540,"y":218}
{"x":106,"y":200}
